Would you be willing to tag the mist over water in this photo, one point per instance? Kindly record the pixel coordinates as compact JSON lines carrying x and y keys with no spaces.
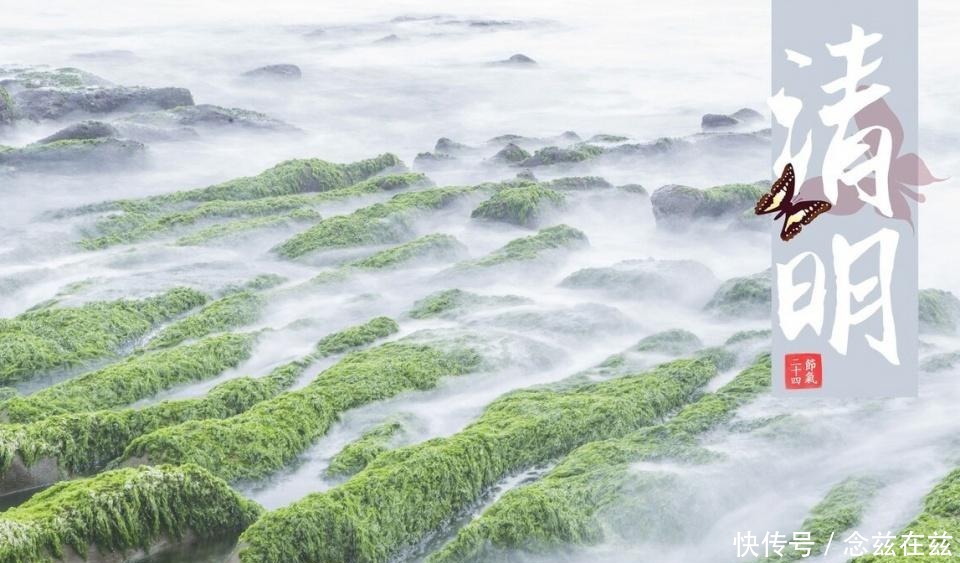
{"x":619,"y":67}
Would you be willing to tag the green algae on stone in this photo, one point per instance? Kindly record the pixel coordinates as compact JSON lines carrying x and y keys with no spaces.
{"x":644,"y":278}
{"x":406,"y":493}
{"x":557,"y":155}
{"x":233,"y":229}
{"x":359,"y":453}
{"x":680,"y":207}
{"x":746,"y":297}
{"x":271,"y":434}
{"x":840,"y":510}
{"x":940,"y":515}
{"x":356,"y":336}
{"x":150,"y":217}
{"x":525,"y":206}
{"x":62,"y":337}
{"x":939,"y":311}
{"x":579,"y":183}
{"x":532,"y":247}
{"x":564,"y":506}
{"x":426,"y":248}
{"x":137,"y":377}
{"x":289,"y":177}
{"x":232,"y":311}
{"x":85,"y":442}
{"x":380,"y":223}
{"x":449,"y":302}
{"x":673,"y":342}
{"x":123,"y":510}
{"x":940,"y":362}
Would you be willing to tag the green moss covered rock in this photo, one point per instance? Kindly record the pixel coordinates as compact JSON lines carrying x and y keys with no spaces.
{"x":62,"y":337}
{"x":939,"y":311}
{"x":747,"y":297}
{"x":123,"y":511}
{"x":524,"y":206}
{"x":680,"y":207}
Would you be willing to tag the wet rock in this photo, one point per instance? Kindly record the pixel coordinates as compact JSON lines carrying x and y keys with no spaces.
{"x":449,"y":146}
{"x":526,"y":175}
{"x":518,"y":60}
{"x":7,"y":112}
{"x":715,"y":121}
{"x":939,"y":312}
{"x":392,"y":38}
{"x":55,"y":103}
{"x":606,"y":139}
{"x":677,"y":207}
{"x":661,"y":147}
{"x":511,"y":154}
{"x":635,"y":189}
{"x":746,"y":297}
{"x":205,"y":115}
{"x":742,"y":118}
{"x":579,"y":183}
{"x":73,"y":155}
{"x":82,"y":130}
{"x":429,"y":160}
{"x":275,"y":72}
{"x":647,"y":279}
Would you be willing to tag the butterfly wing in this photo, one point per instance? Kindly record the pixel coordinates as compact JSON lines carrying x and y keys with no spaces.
{"x":800,"y":214}
{"x":780,"y":195}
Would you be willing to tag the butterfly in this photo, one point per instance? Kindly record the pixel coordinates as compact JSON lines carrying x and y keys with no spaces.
{"x":780,"y":199}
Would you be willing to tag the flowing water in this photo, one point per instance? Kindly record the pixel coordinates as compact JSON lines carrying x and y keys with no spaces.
{"x":614,"y":67}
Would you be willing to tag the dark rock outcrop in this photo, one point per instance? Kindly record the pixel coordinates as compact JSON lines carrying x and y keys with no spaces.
{"x":81,"y":131}
{"x":275,"y":72}
{"x":56,"y":103}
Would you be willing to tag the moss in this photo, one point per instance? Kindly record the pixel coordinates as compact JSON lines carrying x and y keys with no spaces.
{"x":532,"y":247}
{"x":579,"y":183}
{"x":233,"y":311}
{"x":680,"y":206}
{"x":556,"y":155}
{"x":747,"y":336}
{"x":511,"y":153}
{"x":380,"y":223}
{"x":259,"y":282}
{"x":674,"y":342}
{"x":605,"y":138}
{"x":359,"y":453}
{"x":137,"y":377}
{"x":429,"y":247}
{"x":449,"y":302}
{"x":564,"y":505}
{"x":940,"y":362}
{"x":99,"y":152}
{"x":743,"y":297}
{"x":524,"y":206}
{"x":939,"y":311}
{"x":232,"y":229}
{"x":643,"y":279}
{"x":122,"y":510}
{"x":290,"y":177}
{"x":268,"y":436}
{"x":405,"y":494}
{"x":357,"y":336}
{"x":150,"y":217}
{"x":85,"y":442}
{"x":64,"y":78}
{"x":7,"y":110}
{"x":940,"y":515}
{"x":840,"y":510}
{"x":59,"y":337}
